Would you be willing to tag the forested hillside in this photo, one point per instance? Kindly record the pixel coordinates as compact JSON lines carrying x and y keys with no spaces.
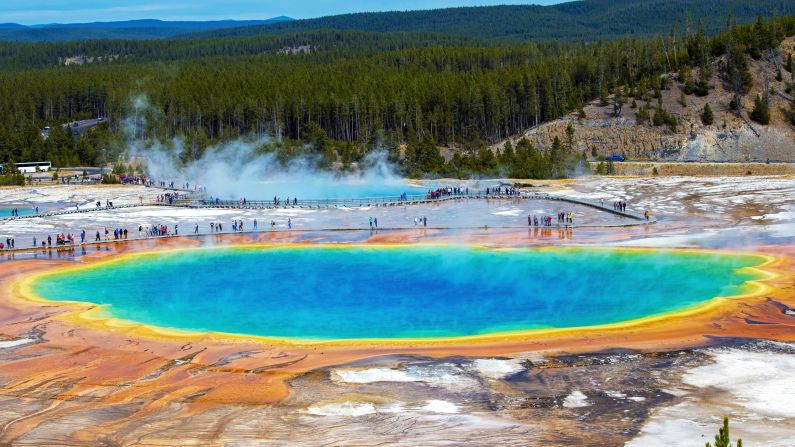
{"x":348,"y":93}
{"x":132,"y":29}
{"x":577,"y":20}
{"x":325,"y":45}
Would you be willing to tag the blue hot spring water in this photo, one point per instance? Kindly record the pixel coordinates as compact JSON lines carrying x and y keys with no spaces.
{"x":391,"y":292}
{"x":24,"y":210}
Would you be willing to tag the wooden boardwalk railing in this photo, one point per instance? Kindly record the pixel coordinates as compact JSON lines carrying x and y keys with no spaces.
{"x":417,"y":199}
{"x":386,"y":201}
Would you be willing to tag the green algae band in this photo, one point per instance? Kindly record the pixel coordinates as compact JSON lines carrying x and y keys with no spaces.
{"x":392,"y":292}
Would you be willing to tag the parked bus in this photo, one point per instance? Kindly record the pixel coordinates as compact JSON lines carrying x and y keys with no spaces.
{"x":31,"y":167}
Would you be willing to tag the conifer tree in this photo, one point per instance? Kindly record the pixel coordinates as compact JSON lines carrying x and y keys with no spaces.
{"x":722,"y":439}
{"x":706,"y":115}
{"x":761,"y":112}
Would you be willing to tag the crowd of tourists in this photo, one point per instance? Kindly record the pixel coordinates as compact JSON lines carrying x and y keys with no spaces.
{"x":278,"y":201}
{"x":74,"y":179}
{"x":444,"y":192}
{"x":134,"y":180}
{"x":118,"y":233}
{"x":565,"y":219}
{"x":449,"y":191}
{"x":62,"y":239}
{"x":505,"y":191}
{"x":168,"y":197}
{"x":154,"y":230}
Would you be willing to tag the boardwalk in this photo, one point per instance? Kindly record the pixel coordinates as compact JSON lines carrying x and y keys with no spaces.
{"x":387,"y":201}
{"x":419,"y":199}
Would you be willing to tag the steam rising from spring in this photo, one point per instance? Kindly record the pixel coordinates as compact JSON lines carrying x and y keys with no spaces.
{"x":237,"y":169}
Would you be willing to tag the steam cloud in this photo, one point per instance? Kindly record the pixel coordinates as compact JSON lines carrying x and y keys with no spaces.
{"x":235,"y":169}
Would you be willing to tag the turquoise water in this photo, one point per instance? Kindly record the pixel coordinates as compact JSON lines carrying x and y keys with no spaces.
{"x":323,"y":188}
{"x":343,"y":191}
{"x":406,"y":291}
{"x":24,"y":210}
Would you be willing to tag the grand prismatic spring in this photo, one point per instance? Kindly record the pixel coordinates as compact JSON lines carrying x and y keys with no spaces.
{"x":343,"y":292}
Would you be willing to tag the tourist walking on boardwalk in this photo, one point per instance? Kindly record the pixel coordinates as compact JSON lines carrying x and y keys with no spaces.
{"x":424,"y":221}
{"x":375,"y":222}
{"x":289,"y":224}
{"x":34,"y":241}
{"x":255,"y":224}
{"x":196,"y":229}
{"x":371,"y":222}
{"x":82,"y":236}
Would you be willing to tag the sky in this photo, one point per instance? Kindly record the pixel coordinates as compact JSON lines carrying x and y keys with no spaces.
{"x":31,"y":12}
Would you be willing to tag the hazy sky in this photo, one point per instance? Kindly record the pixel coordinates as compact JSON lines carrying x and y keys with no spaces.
{"x":74,"y":11}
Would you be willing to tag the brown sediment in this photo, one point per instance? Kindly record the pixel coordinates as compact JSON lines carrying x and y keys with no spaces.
{"x":133,"y":365}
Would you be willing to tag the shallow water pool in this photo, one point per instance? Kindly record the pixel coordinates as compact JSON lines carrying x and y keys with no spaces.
{"x":342,"y":292}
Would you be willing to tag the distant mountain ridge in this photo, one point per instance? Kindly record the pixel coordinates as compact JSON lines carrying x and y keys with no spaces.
{"x":583,"y":19}
{"x":128,"y":29}
{"x":575,"y":20}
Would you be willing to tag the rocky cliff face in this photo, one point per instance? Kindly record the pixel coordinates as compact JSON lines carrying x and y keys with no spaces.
{"x":731,"y":137}
{"x":702,"y":143}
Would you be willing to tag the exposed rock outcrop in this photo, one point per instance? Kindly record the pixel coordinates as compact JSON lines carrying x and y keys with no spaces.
{"x":731,"y":137}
